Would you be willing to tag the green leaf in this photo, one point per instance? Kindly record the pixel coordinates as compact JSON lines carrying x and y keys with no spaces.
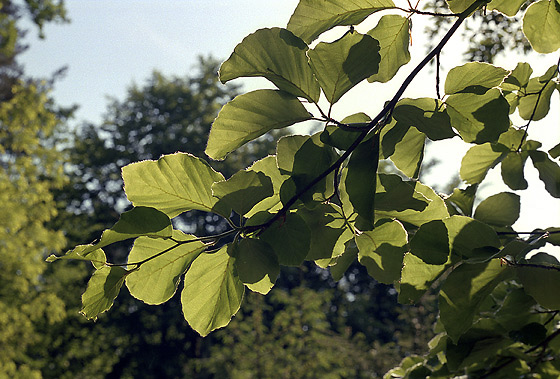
{"x":464,"y":290}
{"x":393,"y":35}
{"x":536,"y":104}
{"x":243,"y":191}
{"x":102,"y":289}
{"x":277,"y":55}
{"x":474,"y":77}
{"x":512,"y":168}
{"x":499,"y":210}
{"x":85,"y":253}
{"x":313,"y":17}
{"x":555,"y":151}
{"x":479,"y":118}
{"x":173,"y":184}
{"x":479,"y":159}
{"x":156,"y":280}
{"x":361,"y":179}
{"x":458,"y":6}
{"x":311,"y":159}
{"x":268,"y":167}
{"x":286,"y":150}
{"x":518,"y":78}
{"x":328,"y":229}
{"x":507,"y":7}
{"x":251,"y":115}
{"x":340,"y":65}
{"x":416,"y":277}
{"x":435,"y":210}
{"x":431,"y":243}
{"x":471,"y":239}
{"x":290,"y":239}
{"x":409,"y":153}
{"x":541,"y":26}
{"x":542,"y":284}
{"x":553,"y":238}
{"x":212,"y":293}
{"x":382,"y":251}
{"x":344,"y":261}
{"x":425,"y":114}
{"x":256,"y":264}
{"x":463,"y":199}
{"x":549,"y":172}
{"x":340,"y":138}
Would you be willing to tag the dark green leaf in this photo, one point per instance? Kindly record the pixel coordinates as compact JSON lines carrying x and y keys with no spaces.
{"x":464,"y":290}
{"x":508,"y":7}
{"x":458,"y":6}
{"x":251,"y":115}
{"x":470,"y":238}
{"x":555,"y":151}
{"x":479,"y":118}
{"x":173,"y":184}
{"x":416,"y":277}
{"x":513,"y":167}
{"x":463,"y":199}
{"x":382,"y":251}
{"x":554,"y":237}
{"x":409,"y":153}
{"x":256,"y":264}
{"x":243,"y":191}
{"x":393,"y":35}
{"x":501,"y":209}
{"x":542,"y":284}
{"x":156,"y":280}
{"x":268,"y":166}
{"x":431,"y":243}
{"x":427,"y":115}
{"x":103,"y":287}
{"x":531,"y":334}
{"x":519,"y":77}
{"x":340,"y":65}
{"x":472,"y":77}
{"x":290,"y":239}
{"x":361,"y":179}
{"x":536,"y":103}
{"x":341,"y":138}
{"x":212,"y":293}
{"x":277,"y":55}
{"x":312,"y":17}
{"x":344,"y":261}
{"x":549,"y":172}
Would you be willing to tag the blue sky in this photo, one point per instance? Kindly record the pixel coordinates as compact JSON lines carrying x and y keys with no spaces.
{"x":110,"y":44}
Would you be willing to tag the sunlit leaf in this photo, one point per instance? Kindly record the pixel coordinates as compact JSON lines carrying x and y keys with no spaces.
{"x":277,"y":55}
{"x":549,"y":172}
{"x":173,"y":184}
{"x":290,"y":238}
{"x":479,"y":159}
{"x":416,"y":277}
{"x":243,"y":190}
{"x":463,"y":199}
{"x":268,"y":167}
{"x":464,"y":290}
{"x":156,"y":280}
{"x":313,"y":17}
{"x":340,"y":65}
{"x":479,"y":118}
{"x":536,"y":104}
{"x":393,"y":35}
{"x":102,"y":289}
{"x":382,"y":251}
{"x":256,"y":264}
{"x":343,"y":262}
{"x":473,"y":77}
{"x":458,"y":6}
{"x":212,"y":293}
{"x":501,"y":209}
{"x":541,"y":25}
{"x":409,"y":153}
{"x":251,"y":115}
{"x":83,"y":252}
{"x":507,"y":7}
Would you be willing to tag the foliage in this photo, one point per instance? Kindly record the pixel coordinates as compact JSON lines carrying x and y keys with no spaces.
{"x":322,"y":199}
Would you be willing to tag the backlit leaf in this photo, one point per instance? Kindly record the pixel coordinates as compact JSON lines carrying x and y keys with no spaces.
{"x":479,"y":159}
{"x":256,"y":264}
{"x":541,"y":25}
{"x":340,"y":65}
{"x":507,"y":7}
{"x":268,"y":167}
{"x":382,"y":251}
{"x":549,"y":172}
{"x":409,"y":153}
{"x":212,"y":293}
{"x":102,"y":289}
{"x":473,"y":76}
{"x":479,"y":118}
{"x":458,"y":6}
{"x":463,"y":199}
{"x":542,"y":284}
{"x":290,"y":239}
{"x":251,"y":115}
{"x":173,"y":184}
{"x":501,"y":209}
{"x":512,"y":168}
{"x":464,"y":290}
{"x":431,"y":243}
{"x":393,"y":35}
{"x":83,"y":252}
{"x":277,"y":55}
{"x":313,"y":17}
{"x":156,"y":280}
{"x":417,"y":276}
{"x":536,"y":104}
{"x":243,"y":190}
{"x":425,"y":114}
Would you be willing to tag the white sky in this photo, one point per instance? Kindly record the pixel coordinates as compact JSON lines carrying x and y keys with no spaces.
{"x":110,"y":44}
